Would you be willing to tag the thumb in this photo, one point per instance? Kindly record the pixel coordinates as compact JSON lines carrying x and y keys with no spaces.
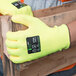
{"x":23,"y":19}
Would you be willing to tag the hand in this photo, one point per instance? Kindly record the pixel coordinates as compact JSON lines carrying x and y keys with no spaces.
{"x":37,"y":41}
{"x":72,"y":29}
{"x":7,"y":7}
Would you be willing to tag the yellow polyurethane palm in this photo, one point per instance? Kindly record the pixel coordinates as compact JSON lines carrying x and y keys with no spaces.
{"x":51,"y":39}
{"x":7,"y":8}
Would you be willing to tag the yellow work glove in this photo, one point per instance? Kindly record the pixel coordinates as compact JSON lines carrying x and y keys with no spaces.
{"x":37,"y":41}
{"x":13,"y":7}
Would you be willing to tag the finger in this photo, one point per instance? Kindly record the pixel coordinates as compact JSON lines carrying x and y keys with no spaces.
{"x":31,"y":14}
{"x":12,"y":44}
{"x":24,"y":10}
{"x":13,"y":35}
{"x":29,"y":11}
{"x":24,"y":19}
{"x":16,"y":59}
{"x":14,"y":52}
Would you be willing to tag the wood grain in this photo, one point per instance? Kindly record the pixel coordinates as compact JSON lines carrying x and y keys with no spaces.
{"x":51,"y":63}
{"x":55,"y":10}
{"x":48,"y":64}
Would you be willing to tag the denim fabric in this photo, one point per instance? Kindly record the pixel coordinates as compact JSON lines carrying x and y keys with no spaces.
{"x":41,"y":4}
{"x":1,"y":68}
{"x":70,"y":72}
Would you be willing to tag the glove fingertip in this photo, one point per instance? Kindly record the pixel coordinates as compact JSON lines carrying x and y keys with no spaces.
{"x":14,"y":59}
{"x":8,"y":34}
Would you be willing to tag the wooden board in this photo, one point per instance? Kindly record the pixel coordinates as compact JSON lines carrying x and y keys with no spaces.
{"x":55,"y":10}
{"x":48,"y":64}
{"x":0,"y":39}
{"x":51,"y":63}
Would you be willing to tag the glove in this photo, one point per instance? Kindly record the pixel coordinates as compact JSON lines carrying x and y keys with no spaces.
{"x":13,"y":7}
{"x":37,"y":41}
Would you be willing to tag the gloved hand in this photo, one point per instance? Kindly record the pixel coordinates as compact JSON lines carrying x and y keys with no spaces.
{"x":37,"y":41}
{"x":13,"y":7}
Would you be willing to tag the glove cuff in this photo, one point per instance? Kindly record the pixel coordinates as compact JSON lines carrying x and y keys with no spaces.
{"x":66,"y":36}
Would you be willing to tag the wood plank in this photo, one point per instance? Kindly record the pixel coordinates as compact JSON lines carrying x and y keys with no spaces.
{"x":51,"y":63}
{"x":5,"y":60}
{"x":55,"y":10}
{"x":48,"y":64}
{"x":1,"y":52}
{"x":56,"y":19}
{"x":61,"y":18}
{"x":0,"y":39}
{"x":51,"y":11}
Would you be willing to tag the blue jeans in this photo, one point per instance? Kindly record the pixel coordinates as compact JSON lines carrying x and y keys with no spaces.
{"x":1,"y":68}
{"x":65,"y":73}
